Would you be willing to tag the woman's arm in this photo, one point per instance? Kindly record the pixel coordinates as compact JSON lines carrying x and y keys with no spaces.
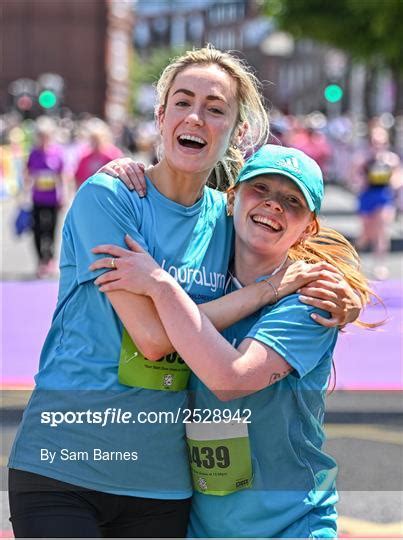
{"x":140,"y":318}
{"x":239,"y":372}
{"x":324,"y":288}
{"x":27,"y":181}
{"x":332,"y":292}
{"x":228,"y":372}
{"x":148,"y":332}
{"x":146,"y":329}
{"x":102,"y":210}
{"x":151,"y":337}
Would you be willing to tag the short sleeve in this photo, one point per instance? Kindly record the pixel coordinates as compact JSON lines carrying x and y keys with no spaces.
{"x":103,"y":212}
{"x":288,"y":329}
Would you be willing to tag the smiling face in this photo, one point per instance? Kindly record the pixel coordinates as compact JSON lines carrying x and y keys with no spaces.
{"x":198,"y":120}
{"x":270,"y":215}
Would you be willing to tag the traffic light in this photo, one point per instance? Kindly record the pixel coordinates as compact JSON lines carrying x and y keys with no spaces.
{"x":47,"y":99}
{"x":50,"y":95}
{"x":333,"y":93}
{"x":23,"y":92}
{"x":24,"y":102}
{"x":32,"y":98}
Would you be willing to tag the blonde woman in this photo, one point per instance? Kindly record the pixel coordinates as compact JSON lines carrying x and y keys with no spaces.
{"x":255,"y":443}
{"x":89,"y":458}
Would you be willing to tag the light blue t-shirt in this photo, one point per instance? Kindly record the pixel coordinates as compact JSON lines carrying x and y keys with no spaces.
{"x":78,"y":369}
{"x":293,"y":492}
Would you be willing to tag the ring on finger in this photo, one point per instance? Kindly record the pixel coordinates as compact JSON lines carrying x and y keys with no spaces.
{"x":113,"y":263}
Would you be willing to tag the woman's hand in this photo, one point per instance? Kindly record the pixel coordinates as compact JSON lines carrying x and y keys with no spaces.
{"x":338,"y":298}
{"x":130,"y":172}
{"x":322,"y":286}
{"x":132,"y":270}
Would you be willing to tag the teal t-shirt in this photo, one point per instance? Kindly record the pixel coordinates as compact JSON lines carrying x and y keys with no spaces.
{"x":78,"y":405}
{"x":292,"y":493}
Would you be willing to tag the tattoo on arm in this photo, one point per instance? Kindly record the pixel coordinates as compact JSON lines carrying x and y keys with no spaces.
{"x":277,"y":376}
{"x":274,"y":377}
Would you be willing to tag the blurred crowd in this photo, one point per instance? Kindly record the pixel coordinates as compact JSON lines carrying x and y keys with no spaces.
{"x":85,"y":144}
{"x":44,"y":161}
{"x":339,"y":144}
{"x":363,"y":157}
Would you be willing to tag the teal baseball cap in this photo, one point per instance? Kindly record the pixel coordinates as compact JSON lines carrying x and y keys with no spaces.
{"x":289,"y":162}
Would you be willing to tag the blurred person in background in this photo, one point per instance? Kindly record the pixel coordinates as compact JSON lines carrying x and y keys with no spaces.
{"x":278,"y":129}
{"x":313,"y":142}
{"x":377,"y":171}
{"x":100,"y":150}
{"x":44,"y":183}
{"x":340,"y":132}
{"x":13,"y":151}
{"x":147,"y":139}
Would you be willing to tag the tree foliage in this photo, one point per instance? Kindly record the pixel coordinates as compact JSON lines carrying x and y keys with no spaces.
{"x":148,"y":70}
{"x":368,"y":30}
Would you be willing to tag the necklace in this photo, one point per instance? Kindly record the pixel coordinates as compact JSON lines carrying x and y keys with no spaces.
{"x":239,"y":285}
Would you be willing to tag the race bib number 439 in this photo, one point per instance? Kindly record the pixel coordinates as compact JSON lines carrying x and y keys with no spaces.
{"x":169,"y":374}
{"x":220,"y":457}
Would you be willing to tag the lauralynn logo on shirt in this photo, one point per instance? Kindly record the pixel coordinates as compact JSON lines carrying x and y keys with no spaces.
{"x":186,"y":276}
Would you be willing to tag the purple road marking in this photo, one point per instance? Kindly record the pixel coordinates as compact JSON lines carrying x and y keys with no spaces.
{"x":27,"y":312}
{"x":365,"y":360}
{"x":372,"y":359}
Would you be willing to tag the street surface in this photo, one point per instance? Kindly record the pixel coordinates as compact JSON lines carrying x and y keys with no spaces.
{"x":364,"y":428}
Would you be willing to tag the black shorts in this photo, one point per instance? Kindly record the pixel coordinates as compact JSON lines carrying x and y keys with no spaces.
{"x":42,"y":507}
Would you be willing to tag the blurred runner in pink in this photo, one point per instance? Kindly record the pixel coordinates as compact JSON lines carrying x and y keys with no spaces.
{"x":99,"y":152}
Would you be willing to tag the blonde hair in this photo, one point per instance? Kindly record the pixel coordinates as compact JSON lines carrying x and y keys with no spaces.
{"x":98,"y":132}
{"x":250,"y":104}
{"x":328,"y":245}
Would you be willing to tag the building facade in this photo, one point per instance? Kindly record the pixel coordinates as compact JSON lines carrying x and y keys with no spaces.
{"x":85,"y":42}
{"x":293,"y":72}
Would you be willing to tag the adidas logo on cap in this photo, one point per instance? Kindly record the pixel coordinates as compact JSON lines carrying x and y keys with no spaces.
{"x":289,"y":163}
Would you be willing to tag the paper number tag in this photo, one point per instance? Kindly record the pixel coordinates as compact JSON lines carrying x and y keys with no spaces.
{"x":169,"y":374}
{"x":220,"y":457}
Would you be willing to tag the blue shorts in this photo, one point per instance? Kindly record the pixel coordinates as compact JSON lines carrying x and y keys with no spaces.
{"x":374,"y":198}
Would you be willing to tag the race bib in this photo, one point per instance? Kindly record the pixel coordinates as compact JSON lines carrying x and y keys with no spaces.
{"x":169,"y":374}
{"x":220,"y":457}
{"x":379,"y":174}
{"x":45,"y":182}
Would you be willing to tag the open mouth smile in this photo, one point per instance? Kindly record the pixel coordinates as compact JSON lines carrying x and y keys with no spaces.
{"x":191,"y":141}
{"x":267,"y":223}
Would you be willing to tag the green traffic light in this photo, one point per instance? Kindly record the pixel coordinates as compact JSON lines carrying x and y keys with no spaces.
{"x":333,"y":93}
{"x":47,"y":99}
